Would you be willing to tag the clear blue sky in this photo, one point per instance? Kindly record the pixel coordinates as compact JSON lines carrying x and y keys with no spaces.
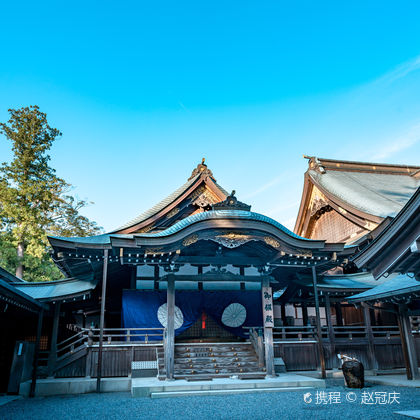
{"x":143,"y":90}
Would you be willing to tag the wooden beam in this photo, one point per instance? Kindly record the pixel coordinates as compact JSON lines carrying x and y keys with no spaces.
{"x":36,"y":355}
{"x":371,"y":345}
{"x":268,"y":322}
{"x":52,"y":358}
{"x":221,"y":260}
{"x":170,"y":328}
{"x":318,"y":325}
{"x":102,"y":321}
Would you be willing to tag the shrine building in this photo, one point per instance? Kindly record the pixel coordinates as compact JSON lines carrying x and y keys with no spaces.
{"x":201,"y":287}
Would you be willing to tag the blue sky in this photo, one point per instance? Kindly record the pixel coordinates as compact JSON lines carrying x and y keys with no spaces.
{"x":143,"y":90}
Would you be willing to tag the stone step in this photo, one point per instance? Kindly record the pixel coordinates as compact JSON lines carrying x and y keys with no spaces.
{"x":209,"y":377}
{"x":145,"y":387}
{"x":208,"y":392}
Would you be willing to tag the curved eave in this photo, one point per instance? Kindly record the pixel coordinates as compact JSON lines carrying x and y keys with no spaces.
{"x":304,"y":203}
{"x":218,"y":219}
{"x":59,"y":290}
{"x":399,"y":286}
{"x":396,"y":242}
{"x":10,"y":294}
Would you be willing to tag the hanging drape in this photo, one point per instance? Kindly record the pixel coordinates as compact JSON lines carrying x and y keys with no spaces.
{"x":140,"y":308}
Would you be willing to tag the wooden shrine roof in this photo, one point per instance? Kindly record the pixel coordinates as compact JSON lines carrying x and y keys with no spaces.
{"x":342,"y":282}
{"x":397,"y":247}
{"x":200,"y":188}
{"x":364,"y":193}
{"x":50,"y":291}
{"x":393,"y":289}
{"x":10,"y":294}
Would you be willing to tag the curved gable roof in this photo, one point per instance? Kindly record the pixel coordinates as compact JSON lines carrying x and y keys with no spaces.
{"x":201,"y":175}
{"x":362,"y":192}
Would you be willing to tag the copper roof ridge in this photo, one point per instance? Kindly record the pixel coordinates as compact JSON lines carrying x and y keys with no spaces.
{"x":335,"y":164}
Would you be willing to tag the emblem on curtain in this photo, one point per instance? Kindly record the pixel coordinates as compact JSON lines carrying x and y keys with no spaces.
{"x":234,"y":315}
{"x":178,"y":319}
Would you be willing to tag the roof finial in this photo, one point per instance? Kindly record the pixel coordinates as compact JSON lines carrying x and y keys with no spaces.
{"x":201,"y":169}
{"x":231,"y":203}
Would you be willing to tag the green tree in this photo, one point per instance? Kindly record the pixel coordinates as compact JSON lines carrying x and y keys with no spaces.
{"x":34,"y":201}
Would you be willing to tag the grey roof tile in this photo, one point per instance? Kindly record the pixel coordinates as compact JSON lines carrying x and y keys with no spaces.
{"x":373,"y":193}
{"x":394,"y":285}
{"x":57,"y":289}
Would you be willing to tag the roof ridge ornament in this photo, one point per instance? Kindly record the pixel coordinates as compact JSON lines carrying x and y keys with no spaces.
{"x":231,"y":203}
{"x":315,"y":163}
{"x":201,"y":169}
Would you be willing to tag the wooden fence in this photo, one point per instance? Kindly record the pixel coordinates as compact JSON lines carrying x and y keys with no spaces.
{"x":296,"y":345}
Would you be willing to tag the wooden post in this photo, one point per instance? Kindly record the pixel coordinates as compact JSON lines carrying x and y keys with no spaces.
{"x":305,"y":314}
{"x":283,"y":313}
{"x":133,"y":277}
{"x":52,"y":357}
{"x":102,"y":321}
{"x":331,"y":334}
{"x":318,"y":325}
{"x":369,"y":334}
{"x":338,"y":314}
{"x":268,"y":320}
{"x":170,"y":328}
{"x":88,"y":364}
{"x":260,"y":347}
{"x":36,"y":355}
{"x":408,"y":342}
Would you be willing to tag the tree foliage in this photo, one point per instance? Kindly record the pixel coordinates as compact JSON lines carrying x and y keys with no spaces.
{"x":34,"y":201}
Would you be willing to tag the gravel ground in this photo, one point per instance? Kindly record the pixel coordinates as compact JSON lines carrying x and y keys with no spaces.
{"x":285,"y":405}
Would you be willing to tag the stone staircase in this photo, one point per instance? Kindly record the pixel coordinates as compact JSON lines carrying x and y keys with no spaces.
{"x":196,"y":361}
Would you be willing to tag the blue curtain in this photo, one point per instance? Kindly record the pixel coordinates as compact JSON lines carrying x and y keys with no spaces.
{"x":139,"y":308}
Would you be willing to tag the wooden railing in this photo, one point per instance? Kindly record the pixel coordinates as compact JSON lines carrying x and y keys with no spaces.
{"x":304,"y":334}
{"x":347,"y":333}
{"x":350,"y":332}
{"x":257,"y":340}
{"x":71,"y":344}
{"x":125,"y":335}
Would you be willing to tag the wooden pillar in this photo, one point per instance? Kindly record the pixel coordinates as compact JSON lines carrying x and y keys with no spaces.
{"x":283,"y":313}
{"x":370,"y":338}
{"x":268,"y":320}
{"x":318,"y":325}
{"x":52,"y":357}
{"x":102,"y":321}
{"x":36,"y":354}
{"x":305,"y":314}
{"x":133,"y":278}
{"x":331,"y":334}
{"x":338,"y":314}
{"x":408,"y":344}
{"x":170,"y":328}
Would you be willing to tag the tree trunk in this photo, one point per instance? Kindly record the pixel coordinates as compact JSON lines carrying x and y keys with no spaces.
{"x":20,"y":253}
